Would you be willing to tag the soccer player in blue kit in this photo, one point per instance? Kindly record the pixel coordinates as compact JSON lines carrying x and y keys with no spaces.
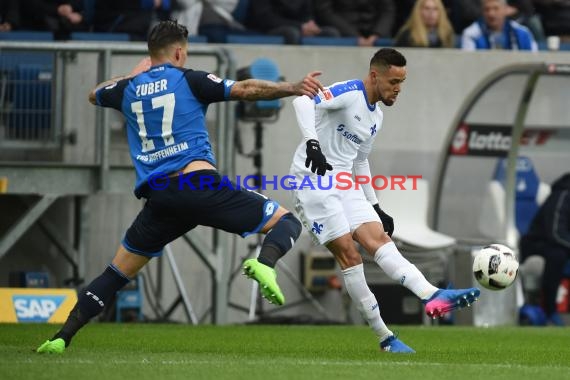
{"x":165,"y":106}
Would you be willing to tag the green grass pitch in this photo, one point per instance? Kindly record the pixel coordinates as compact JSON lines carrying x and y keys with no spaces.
{"x":152,"y":351}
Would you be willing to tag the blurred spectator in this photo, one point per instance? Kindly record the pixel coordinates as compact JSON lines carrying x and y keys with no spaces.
{"x":549,"y":237}
{"x":523,"y":12}
{"x":462,"y":13}
{"x":366,"y":19}
{"x":122,"y":16}
{"x":427,"y":26}
{"x":217,"y":20}
{"x":9,"y":15}
{"x":555,"y":16}
{"x":291,"y":19}
{"x":403,"y":13}
{"x":496,"y":31}
{"x":61,"y":17}
{"x":162,"y":8}
{"x":188,"y":13}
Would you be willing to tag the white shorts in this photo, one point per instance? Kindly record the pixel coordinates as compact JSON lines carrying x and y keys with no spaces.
{"x":330,"y":214}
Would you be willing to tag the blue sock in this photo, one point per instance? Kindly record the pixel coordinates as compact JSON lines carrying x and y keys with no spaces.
{"x":279,"y":240}
{"x":91,"y":301}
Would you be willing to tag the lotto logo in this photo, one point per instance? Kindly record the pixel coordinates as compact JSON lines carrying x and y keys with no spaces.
{"x":35,"y":308}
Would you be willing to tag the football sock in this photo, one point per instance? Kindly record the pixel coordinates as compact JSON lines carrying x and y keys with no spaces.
{"x":365,"y":301}
{"x":279,"y":240}
{"x":399,"y":269}
{"x":91,"y":301}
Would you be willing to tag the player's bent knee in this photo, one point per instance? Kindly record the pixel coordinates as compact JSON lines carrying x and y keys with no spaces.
{"x":348,"y":258}
{"x":275,"y":218}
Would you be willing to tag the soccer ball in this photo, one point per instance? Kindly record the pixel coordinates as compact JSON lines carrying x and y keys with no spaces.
{"x":495,"y":267}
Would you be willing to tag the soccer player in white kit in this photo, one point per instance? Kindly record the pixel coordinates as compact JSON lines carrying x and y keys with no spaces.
{"x":339,"y":127}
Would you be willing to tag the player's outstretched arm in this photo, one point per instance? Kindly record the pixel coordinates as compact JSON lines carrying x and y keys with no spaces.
{"x":142,"y":66}
{"x":255,"y":89}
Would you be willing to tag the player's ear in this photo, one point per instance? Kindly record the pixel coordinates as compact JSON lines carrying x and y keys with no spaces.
{"x":374,"y":75}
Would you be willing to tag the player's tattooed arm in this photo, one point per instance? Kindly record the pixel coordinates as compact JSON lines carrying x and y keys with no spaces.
{"x":142,"y":66}
{"x":255,"y":89}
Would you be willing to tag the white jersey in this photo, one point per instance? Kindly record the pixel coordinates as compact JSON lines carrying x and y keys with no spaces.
{"x":345,"y":124}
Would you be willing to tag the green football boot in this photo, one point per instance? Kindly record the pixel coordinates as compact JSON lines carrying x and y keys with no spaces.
{"x":267,"y":279}
{"x":56,"y":346}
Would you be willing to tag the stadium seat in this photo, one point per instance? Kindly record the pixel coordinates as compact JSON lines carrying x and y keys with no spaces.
{"x":330,"y":41}
{"x":530,"y":193}
{"x":94,"y":36}
{"x":26,"y":78}
{"x":30,"y":95}
{"x":197,"y":39}
{"x":255,"y":39}
{"x":24,"y":35}
{"x":429,"y":250}
{"x":264,"y":69}
{"x":564,"y":46}
{"x":409,"y":208}
{"x":386,"y":42}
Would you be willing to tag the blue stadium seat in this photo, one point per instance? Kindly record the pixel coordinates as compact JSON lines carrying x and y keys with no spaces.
{"x":564,"y":46}
{"x":29,"y":90}
{"x":197,"y":39}
{"x":93,"y":36}
{"x":28,"y":80}
{"x":23,"y":35}
{"x":330,"y":41}
{"x":384,"y":42}
{"x":255,"y":39}
{"x":527,"y":190}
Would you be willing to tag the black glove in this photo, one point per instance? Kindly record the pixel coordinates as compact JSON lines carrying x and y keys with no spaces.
{"x":387,"y":220}
{"x":316,"y":158}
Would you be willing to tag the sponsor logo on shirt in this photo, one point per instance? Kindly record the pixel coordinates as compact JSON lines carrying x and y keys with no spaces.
{"x":327,"y":94}
{"x":214,"y":78}
{"x":341,"y":129}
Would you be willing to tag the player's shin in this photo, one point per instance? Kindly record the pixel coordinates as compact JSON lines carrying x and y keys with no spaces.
{"x":365,"y":300}
{"x":91,"y":301}
{"x":399,"y":269}
{"x":279,"y":240}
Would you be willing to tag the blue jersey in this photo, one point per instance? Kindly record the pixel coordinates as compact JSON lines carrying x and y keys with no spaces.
{"x":165,"y":111}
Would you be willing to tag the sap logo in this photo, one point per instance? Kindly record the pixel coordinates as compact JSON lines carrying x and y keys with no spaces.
{"x":35,"y":308}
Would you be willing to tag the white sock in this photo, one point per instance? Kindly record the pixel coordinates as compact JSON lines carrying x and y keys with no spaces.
{"x":399,"y":269}
{"x":366,"y":303}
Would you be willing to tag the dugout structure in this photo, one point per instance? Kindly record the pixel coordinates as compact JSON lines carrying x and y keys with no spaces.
{"x":513,"y":130}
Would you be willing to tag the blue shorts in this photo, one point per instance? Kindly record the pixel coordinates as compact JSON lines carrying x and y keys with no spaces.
{"x":186,"y":203}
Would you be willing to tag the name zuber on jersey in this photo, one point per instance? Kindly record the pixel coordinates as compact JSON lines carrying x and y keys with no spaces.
{"x":151,"y":88}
